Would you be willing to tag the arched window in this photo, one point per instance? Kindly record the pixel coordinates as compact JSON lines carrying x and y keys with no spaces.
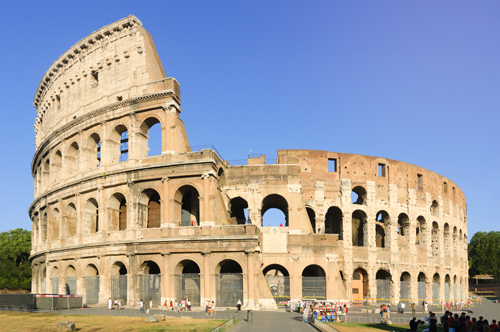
{"x":118,"y":212}
{"x":117,"y":145}
{"x":238,"y":210}
{"x":447,"y":239}
{"x":435,"y":239}
{"x":314,"y":283}
{"x":382,"y":226}
{"x":72,"y":159}
{"x":187,"y":273}
{"x":93,"y":152}
{"x":421,"y":231}
{"x":46,"y":174}
{"x":435,"y":208}
{"x":150,"y":209}
{"x":358,"y":195}
{"x":70,"y":221}
{"x":334,"y":223}
{"x":91,"y":216}
{"x":150,"y":140}
{"x":54,"y":224}
{"x":278,"y":281}
{"x":187,"y":208}
{"x":274,"y":211}
{"x":359,"y":229}
{"x":44,"y":227}
{"x":56,"y":167}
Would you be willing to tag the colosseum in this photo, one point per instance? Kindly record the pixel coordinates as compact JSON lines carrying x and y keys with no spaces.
{"x":110,"y":219}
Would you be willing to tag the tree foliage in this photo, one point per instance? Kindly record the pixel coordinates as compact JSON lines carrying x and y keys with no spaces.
{"x":484,"y":254}
{"x":15,"y":267}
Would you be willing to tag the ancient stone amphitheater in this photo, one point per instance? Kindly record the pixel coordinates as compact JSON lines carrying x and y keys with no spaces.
{"x":111,"y":220}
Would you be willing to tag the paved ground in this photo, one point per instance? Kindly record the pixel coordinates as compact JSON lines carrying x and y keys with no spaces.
{"x":272,"y":321}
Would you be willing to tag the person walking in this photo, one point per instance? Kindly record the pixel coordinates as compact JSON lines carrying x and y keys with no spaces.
{"x":388,"y":312}
{"x":110,"y":303}
{"x":403,"y":305}
{"x":119,"y":305}
{"x":171,"y":306}
{"x":238,"y":305}
{"x":413,"y":309}
{"x":141,"y":306}
{"x":165,"y":306}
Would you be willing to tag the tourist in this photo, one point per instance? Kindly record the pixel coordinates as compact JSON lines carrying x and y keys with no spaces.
{"x":171,"y":306}
{"x":413,"y":309}
{"x":119,"y":305}
{"x":110,"y":303}
{"x":381,"y":312}
{"x":183,"y":305}
{"x":494,"y":326}
{"x":141,"y":306}
{"x":426,"y":307}
{"x":399,"y":307}
{"x":432,"y":322}
{"x":384,"y":311}
{"x":206,"y":307}
{"x":180,"y":306}
{"x":209,"y":310}
{"x":414,"y":325}
{"x":238,"y":305}
{"x":176,"y":306}
{"x":189,"y":305}
{"x":403,"y":305}
{"x":165,"y":306}
{"x":116,"y":304}
{"x":388,"y":312}
{"x":213,"y":308}
{"x":442,"y":305}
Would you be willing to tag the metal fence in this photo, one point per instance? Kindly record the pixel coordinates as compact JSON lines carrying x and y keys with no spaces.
{"x":188,"y":284}
{"x":446,"y":290}
{"x":150,"y":289}
{"x":365,"y":319}
{"x":383,"y":290}
{"x":229,"y":289}
{"x":119,"y":288}
{"x":314,"y":288}
{"x":279,"y":287}
{"x":435,"y":290}
{"x":404,"y":291}
{"x":71,"y":286}
{"x":55,"y":285}
{"x":92,"y":289}
{"x":422,"y":290}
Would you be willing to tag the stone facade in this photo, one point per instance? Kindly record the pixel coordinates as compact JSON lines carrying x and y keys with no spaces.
{"x":110,"y":221}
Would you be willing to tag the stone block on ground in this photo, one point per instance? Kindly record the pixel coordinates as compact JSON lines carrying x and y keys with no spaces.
{"x":152,"y":319}
{"x":66,"y":326}
{"x":160,"y":317}
{"x":364,"y":311}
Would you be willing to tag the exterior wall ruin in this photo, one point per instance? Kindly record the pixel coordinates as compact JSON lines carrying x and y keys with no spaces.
{"x":104,"y":208}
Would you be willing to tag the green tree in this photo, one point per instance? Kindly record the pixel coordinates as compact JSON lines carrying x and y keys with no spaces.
{"x":484,"y":254}
{"x":15,"y":267}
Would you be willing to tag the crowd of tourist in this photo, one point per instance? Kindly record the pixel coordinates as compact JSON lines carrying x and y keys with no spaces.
{"x":323,"y":311}
{"x":454,"y":323}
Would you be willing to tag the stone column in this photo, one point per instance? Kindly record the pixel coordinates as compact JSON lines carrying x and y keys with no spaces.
{"x":207,"y":293}
{"x":133,"y":284}
{"x":372,"y":242}
{"x":166,"y":294}
{"x":251,"y":278}
{"x":165,"y":202}
{"x":295,"y":280}
{"x":206,"y":197}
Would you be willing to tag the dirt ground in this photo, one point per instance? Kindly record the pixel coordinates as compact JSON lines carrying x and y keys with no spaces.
{"x":13,"y":291}
{"x":355,"y":327}
{"x":41,"y":322}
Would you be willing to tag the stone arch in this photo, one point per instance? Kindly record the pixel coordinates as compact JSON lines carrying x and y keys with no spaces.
{"x":313,"y":282}
{"x":56,"y":166}
{"x":359,"y":229}
{"x":149,"y":208}
{"x":358,"y":195}
{"x":436,"y":283}
{"x":187,"y":284}
{"x":91,"y":270}
{"x":312,"y":218}
{"x":434,"y":208}
{"x":278,"y":281}
{"x":117,"y":145}
{"x":70,"y":288}
{"x":279,"y":269}
{"x":54,"y":224}
{"x":403,"y":224}
{"x":92,"y":284}
{"x":384,"y":285}
{"x":119,"y":282}
{"x":334,"y":222}
{"x":421,"y":231}
{"x":69,"y":220}
{"x":382,"y":226}
{"x":221,"y":176}
{"x":91,"y":216}
{"x":405,"y":287}
{"x":422,"y":286}
{"x":152,"y":123}
{"x":359,"y":287}
{"x":44,"y":226}
{"x":149,"y":267}
{"x":54,"y":276}
{"x":229,"y":282}
{"x":72,"y":159}
{"x":187,"y":205}
{"x":150,"y":282}
{"x":447,"y":288}
{"x":93,"y":152}
{"x":237,"y":208}
{"x":435,"y":238}
{"x":46,"y":173}
{"x":119,"y":268}
{"x":118,"y":211}
{"x":447,"y":239}
{"x":275,"y":201}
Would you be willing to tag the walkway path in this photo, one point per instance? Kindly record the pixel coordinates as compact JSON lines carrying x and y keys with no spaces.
{"x":273,"y":321}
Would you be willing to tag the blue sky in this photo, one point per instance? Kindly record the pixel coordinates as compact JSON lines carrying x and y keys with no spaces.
{"x":416,"y":81}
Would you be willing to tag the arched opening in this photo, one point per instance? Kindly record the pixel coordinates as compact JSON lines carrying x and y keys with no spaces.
{"x":436,"y":280}
{"x":359,"y":286}
{"x":55,"y":280}
{"x":384,"y":286}
{"x":46,"y":174}
{"x":150,"y":142}
{"x":403,"y":229}
{"x":229,"y":283}
{"x":455,"y":291}
{"x":149,"y":207}
{"x":71,"y":280}
{"x":312,"y":218}
{"x":382,"y":226}
{"x":422,"y":287}
{"x":150,"y":283}
{"x":187,"y":200}
{"x":278,"y":281}
{"x":359,"y":229}
{"x":44,"y":280}
{"x":188,"y":281}
{"x":455,"y":241}
{"x":314,"y":283}
{"x":238,"y":208}
{"x":404,"y":287}
{"x":56,"y":166}
{"x":44,"y":227}
{"x":117,"y":145}
{"x":69,"y":222}
{"x":119,"y":282}
{"x":334,"y":223}
{"x":274,"y":211}
{"x":358,"y":195}
{"x":118,"y":212}
{"x":435,"y":208}
{"x":72,"y":159}
{"x":447,"y":239}
{"x":91,"y":284}
{"x":421,"y":231}
{"x":447,"y":281}
{"x":435,"y":239}
{"x":222,"y":176}
{"x":91,"y":216}
{"x":54,"y":224}
{"x":93,"y":152}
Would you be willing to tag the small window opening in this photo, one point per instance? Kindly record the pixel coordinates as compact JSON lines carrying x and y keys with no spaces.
{"x":58,"y":102}
{"x":124,"y":146}
{"x":453,"y":191}
{"x":119,"y":98}
{"x":381,"y":169}
{"x":332,"y":165}
{"x":445,"y":187}
{"x":98,"y":154}
{"x":95,"y":75}
{"x":419,"y":182}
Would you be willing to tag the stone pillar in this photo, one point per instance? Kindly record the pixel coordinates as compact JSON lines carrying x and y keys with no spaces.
{"x":206,"y":197}
{"x":320,"y":222}
{"x":372,"y":285}
{"x":372,"y":242}
{"x":166,"y":292}
{"x":133,"y":285}
{"x":207,"y":293}
{"x":165,"y":203}
{"x":295,"y":280}
{"x":251,"y":278}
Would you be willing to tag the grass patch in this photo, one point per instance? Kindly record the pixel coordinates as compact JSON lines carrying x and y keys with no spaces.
{"x":46,"y":322}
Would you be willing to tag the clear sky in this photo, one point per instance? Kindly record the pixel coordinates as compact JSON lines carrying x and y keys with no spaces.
{"x":416,"y":81}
